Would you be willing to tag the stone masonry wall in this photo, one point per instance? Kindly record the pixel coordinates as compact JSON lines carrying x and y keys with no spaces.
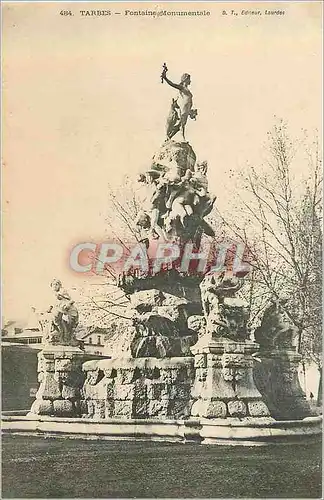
{"x":138,"y":388}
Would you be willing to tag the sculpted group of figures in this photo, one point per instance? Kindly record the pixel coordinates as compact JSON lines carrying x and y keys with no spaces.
{"x":179,"y":200}
{"x":163,"y":326}
{"x":226,"y":315}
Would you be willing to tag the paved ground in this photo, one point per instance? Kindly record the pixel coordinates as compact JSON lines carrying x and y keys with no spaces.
{"x":35,"y":467}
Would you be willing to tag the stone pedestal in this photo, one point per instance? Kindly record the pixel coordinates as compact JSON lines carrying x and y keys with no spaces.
{"x":224,"y":385}
{"x":61,"y":378}
{"x":276,"y":376}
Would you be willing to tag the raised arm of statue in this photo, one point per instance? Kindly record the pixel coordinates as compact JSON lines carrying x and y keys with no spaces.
{"x":174,"y":85}
{"x":166,"y":79}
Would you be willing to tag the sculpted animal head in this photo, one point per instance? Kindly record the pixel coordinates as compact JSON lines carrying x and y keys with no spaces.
{"x":174,"y":104}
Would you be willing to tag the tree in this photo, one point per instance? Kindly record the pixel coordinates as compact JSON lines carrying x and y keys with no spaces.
{"x":280,"y":223}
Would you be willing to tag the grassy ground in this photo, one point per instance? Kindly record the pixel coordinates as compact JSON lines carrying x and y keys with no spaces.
{"x":35,"y":467}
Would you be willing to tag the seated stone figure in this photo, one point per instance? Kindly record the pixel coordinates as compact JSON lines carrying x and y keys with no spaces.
{"x":179,"y":198}
{"x":276,"y":331}
{"x":226,"y":315}
{"x":62,"y":318}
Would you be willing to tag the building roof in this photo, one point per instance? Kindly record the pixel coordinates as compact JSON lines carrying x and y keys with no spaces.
{"x":26,"y":333}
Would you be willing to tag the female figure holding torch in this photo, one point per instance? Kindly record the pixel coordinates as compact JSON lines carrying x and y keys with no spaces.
{"x":184,"y":100}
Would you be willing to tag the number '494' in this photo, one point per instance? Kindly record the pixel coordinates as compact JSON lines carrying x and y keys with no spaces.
{"x":66,"y":13}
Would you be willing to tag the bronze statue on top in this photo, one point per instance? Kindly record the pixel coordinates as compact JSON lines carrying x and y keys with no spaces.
{"x":181,"y":108}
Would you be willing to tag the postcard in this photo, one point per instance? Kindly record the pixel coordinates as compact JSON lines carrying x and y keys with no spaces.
{"x":162,"y":258}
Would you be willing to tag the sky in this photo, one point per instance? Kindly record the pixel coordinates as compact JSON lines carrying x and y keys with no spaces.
{"x":83,"y":105}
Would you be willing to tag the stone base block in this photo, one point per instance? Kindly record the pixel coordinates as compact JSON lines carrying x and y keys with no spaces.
{"x":123,"y":409}
{"x":214,"y":409}
{"x":237,"y":408}
{"x":99,"y":409}
{"x":64,"y":408}
{"x":140,"y":408}
{"x":158,"y":408}
{"x":42,"y":407}
{"x":258,"y":409}
{"x":49,"y":388}
{"x":72,"y":393}
{"x":179,"y":408}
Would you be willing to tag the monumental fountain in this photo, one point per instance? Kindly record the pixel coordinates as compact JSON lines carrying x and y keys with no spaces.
{"x":191,"y":371}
